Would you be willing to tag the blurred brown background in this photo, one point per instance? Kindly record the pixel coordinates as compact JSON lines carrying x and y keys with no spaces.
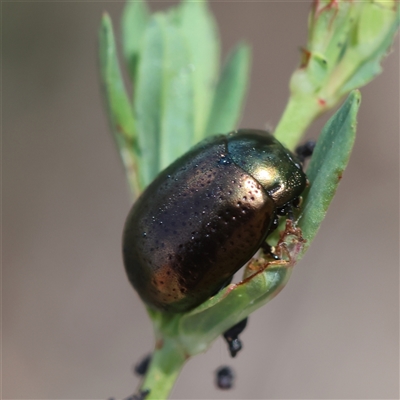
{"x":72,"y":325}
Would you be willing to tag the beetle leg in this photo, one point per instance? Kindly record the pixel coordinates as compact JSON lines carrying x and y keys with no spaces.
{"x":232,"y":337}
{"x":305,"y":150}
{"x":290,"y":212}
{"x":287,"y":211}
{"x":274,"y":224}
{"x":296,"y":203}
{"x":267,"y":249}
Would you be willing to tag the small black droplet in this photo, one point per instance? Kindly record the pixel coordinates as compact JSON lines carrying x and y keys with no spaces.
{"x":142,"y":366}
{"x":224,"y":378}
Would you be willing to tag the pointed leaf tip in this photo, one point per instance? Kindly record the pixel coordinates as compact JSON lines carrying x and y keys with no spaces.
{"x":329,"y":160}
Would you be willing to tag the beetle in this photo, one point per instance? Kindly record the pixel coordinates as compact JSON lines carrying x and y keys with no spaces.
{"x":206,"y":215}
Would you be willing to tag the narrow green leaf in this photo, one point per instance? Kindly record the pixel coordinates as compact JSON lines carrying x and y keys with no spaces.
{"x":328,"y":162}
{"x":329,"y":24}
{"x":200,"y":32}
{"x":371,"y":67}
{"x":177,"y":125}
{"x":147,"y":98}
{"x":134,"y":20}
{"x":163,"y":97}
{"x":200,"y":326}
{"x":117,"y":100}
{"x":230,"y":92}
{"x":118,"y":105}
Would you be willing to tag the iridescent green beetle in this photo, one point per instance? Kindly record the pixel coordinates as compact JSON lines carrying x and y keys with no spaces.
{"x":206,"y":215}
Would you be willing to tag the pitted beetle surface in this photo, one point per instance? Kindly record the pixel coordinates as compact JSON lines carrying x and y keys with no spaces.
{"x":206,"y":215}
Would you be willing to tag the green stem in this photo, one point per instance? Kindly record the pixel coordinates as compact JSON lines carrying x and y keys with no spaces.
{"x":300,"y":112}
{"x":166,"y":363}
{"x":131,"y":170}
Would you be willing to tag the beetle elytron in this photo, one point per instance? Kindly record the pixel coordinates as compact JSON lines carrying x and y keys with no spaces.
{"x":206,"y":215}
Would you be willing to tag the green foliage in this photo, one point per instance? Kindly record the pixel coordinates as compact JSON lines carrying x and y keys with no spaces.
{"x":199,"y":29}
{"x":180,"y":97}
{"x":197,"y":328}
{"x":329,"y":160}
{"x":118,"y":105}
{"x":163,"y":101}
{"x":230,"y":91}
{"x":347,"y":41}
{"x":192,"y":333}
{"x":133,"y":24}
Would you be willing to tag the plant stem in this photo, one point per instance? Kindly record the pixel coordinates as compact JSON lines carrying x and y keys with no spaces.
{"x":131,"y":170}
{"x":300,"y":112}
{"x":166,"y":363}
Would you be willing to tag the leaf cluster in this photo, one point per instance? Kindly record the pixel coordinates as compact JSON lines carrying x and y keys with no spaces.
{"x":180,"y":95}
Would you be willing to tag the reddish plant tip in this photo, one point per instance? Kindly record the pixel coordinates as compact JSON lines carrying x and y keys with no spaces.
{"x":305,"y":57}
{"x":159,"y":344}
{"x":319,"y":9}
{"x":231,"y":287}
